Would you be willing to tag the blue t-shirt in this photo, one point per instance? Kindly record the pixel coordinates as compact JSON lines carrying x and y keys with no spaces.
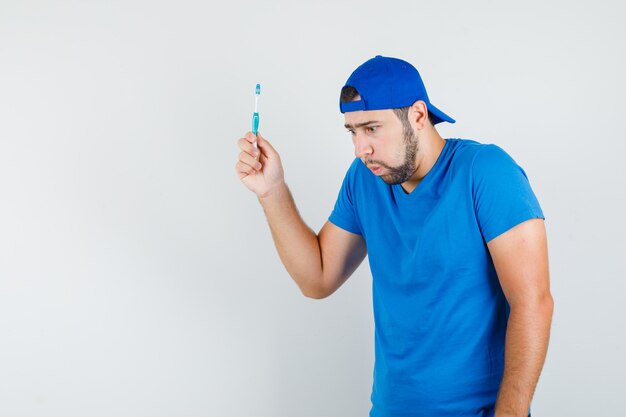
{"x":439,"y":312}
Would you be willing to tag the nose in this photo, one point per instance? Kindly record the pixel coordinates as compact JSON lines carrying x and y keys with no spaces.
{"x":362,"y":146}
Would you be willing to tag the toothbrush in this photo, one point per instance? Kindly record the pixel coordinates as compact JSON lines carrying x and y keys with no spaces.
{"x":255,"y":116}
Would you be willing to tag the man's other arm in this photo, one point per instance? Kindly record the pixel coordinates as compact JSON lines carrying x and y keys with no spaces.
{"x":520,"y":256}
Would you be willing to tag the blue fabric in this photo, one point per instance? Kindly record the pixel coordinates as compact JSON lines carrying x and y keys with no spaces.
{"x":439,"y":312}
{"x":387,"y":83}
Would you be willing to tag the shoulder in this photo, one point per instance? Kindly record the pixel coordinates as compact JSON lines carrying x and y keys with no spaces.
{"x":484,"y":163}
{"x":467,"y":149}
{"x":492,"y":160}
{"x":462,"y":153}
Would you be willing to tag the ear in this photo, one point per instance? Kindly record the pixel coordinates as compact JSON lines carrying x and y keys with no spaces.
{"x":418,"y":113}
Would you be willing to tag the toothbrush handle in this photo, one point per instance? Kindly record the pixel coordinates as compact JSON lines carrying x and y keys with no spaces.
{"x":255,"y":125}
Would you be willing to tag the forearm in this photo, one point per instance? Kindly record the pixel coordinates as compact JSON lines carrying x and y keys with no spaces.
{"x":297,"y":245}
{"x":527,"y":336}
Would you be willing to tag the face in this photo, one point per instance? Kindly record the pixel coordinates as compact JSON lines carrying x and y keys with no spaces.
{"x":386,"y":145}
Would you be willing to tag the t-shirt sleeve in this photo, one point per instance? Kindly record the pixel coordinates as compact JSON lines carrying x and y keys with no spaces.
{"x":502,"y":194}
{"x":344,"y":213}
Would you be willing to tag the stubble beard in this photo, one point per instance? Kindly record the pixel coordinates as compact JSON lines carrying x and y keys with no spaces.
{"x":402,"y":173}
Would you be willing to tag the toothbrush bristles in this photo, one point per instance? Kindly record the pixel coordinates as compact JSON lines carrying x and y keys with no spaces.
{"x":257,"y":91}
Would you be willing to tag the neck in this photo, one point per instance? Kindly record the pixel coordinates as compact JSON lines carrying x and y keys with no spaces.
{"x":430,"y":146}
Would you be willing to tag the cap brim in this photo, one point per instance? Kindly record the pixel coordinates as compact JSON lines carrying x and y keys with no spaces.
{"x":438,"y":115}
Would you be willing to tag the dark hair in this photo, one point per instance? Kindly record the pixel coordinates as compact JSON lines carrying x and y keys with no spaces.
{"x":349,"y":93}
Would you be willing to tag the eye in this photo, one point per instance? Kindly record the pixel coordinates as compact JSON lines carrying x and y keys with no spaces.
{"x":372,"y":129}
{"x":351,"y":132}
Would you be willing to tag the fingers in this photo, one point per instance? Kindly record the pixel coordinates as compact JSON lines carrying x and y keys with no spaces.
{"x":249,"y":136}
{"x":248,"y":162}
{"x":243,"y":170}
{"x":246,"y":146}
{"x":251,"y":158}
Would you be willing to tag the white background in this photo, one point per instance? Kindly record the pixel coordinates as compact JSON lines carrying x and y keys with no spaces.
{"x":138,"y":276}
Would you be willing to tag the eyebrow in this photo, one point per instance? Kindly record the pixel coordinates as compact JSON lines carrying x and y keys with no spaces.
{"x":348,"y":126}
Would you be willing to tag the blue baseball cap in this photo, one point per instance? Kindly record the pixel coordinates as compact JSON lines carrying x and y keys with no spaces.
{"x":389,"y":83}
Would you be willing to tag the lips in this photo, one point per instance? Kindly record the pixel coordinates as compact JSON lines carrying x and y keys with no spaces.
{"x":373,"y":167}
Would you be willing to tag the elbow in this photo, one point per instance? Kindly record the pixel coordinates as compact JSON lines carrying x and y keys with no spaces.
{"x":546,"y":304}
{"x":549,"y":305}
{"x":316,"y":294}
{"x":541,"y":306}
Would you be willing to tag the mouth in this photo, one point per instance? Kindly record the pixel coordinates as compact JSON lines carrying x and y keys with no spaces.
{"x":375,"y":169}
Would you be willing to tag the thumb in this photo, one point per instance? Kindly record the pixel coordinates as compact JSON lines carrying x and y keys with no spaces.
{"x":266,"y":147}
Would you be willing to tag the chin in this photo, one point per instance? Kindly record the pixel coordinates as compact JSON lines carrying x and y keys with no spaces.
{"x":389,"y":180}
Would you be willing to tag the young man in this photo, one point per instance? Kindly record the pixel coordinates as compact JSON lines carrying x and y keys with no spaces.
{"x":456,"y":244}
